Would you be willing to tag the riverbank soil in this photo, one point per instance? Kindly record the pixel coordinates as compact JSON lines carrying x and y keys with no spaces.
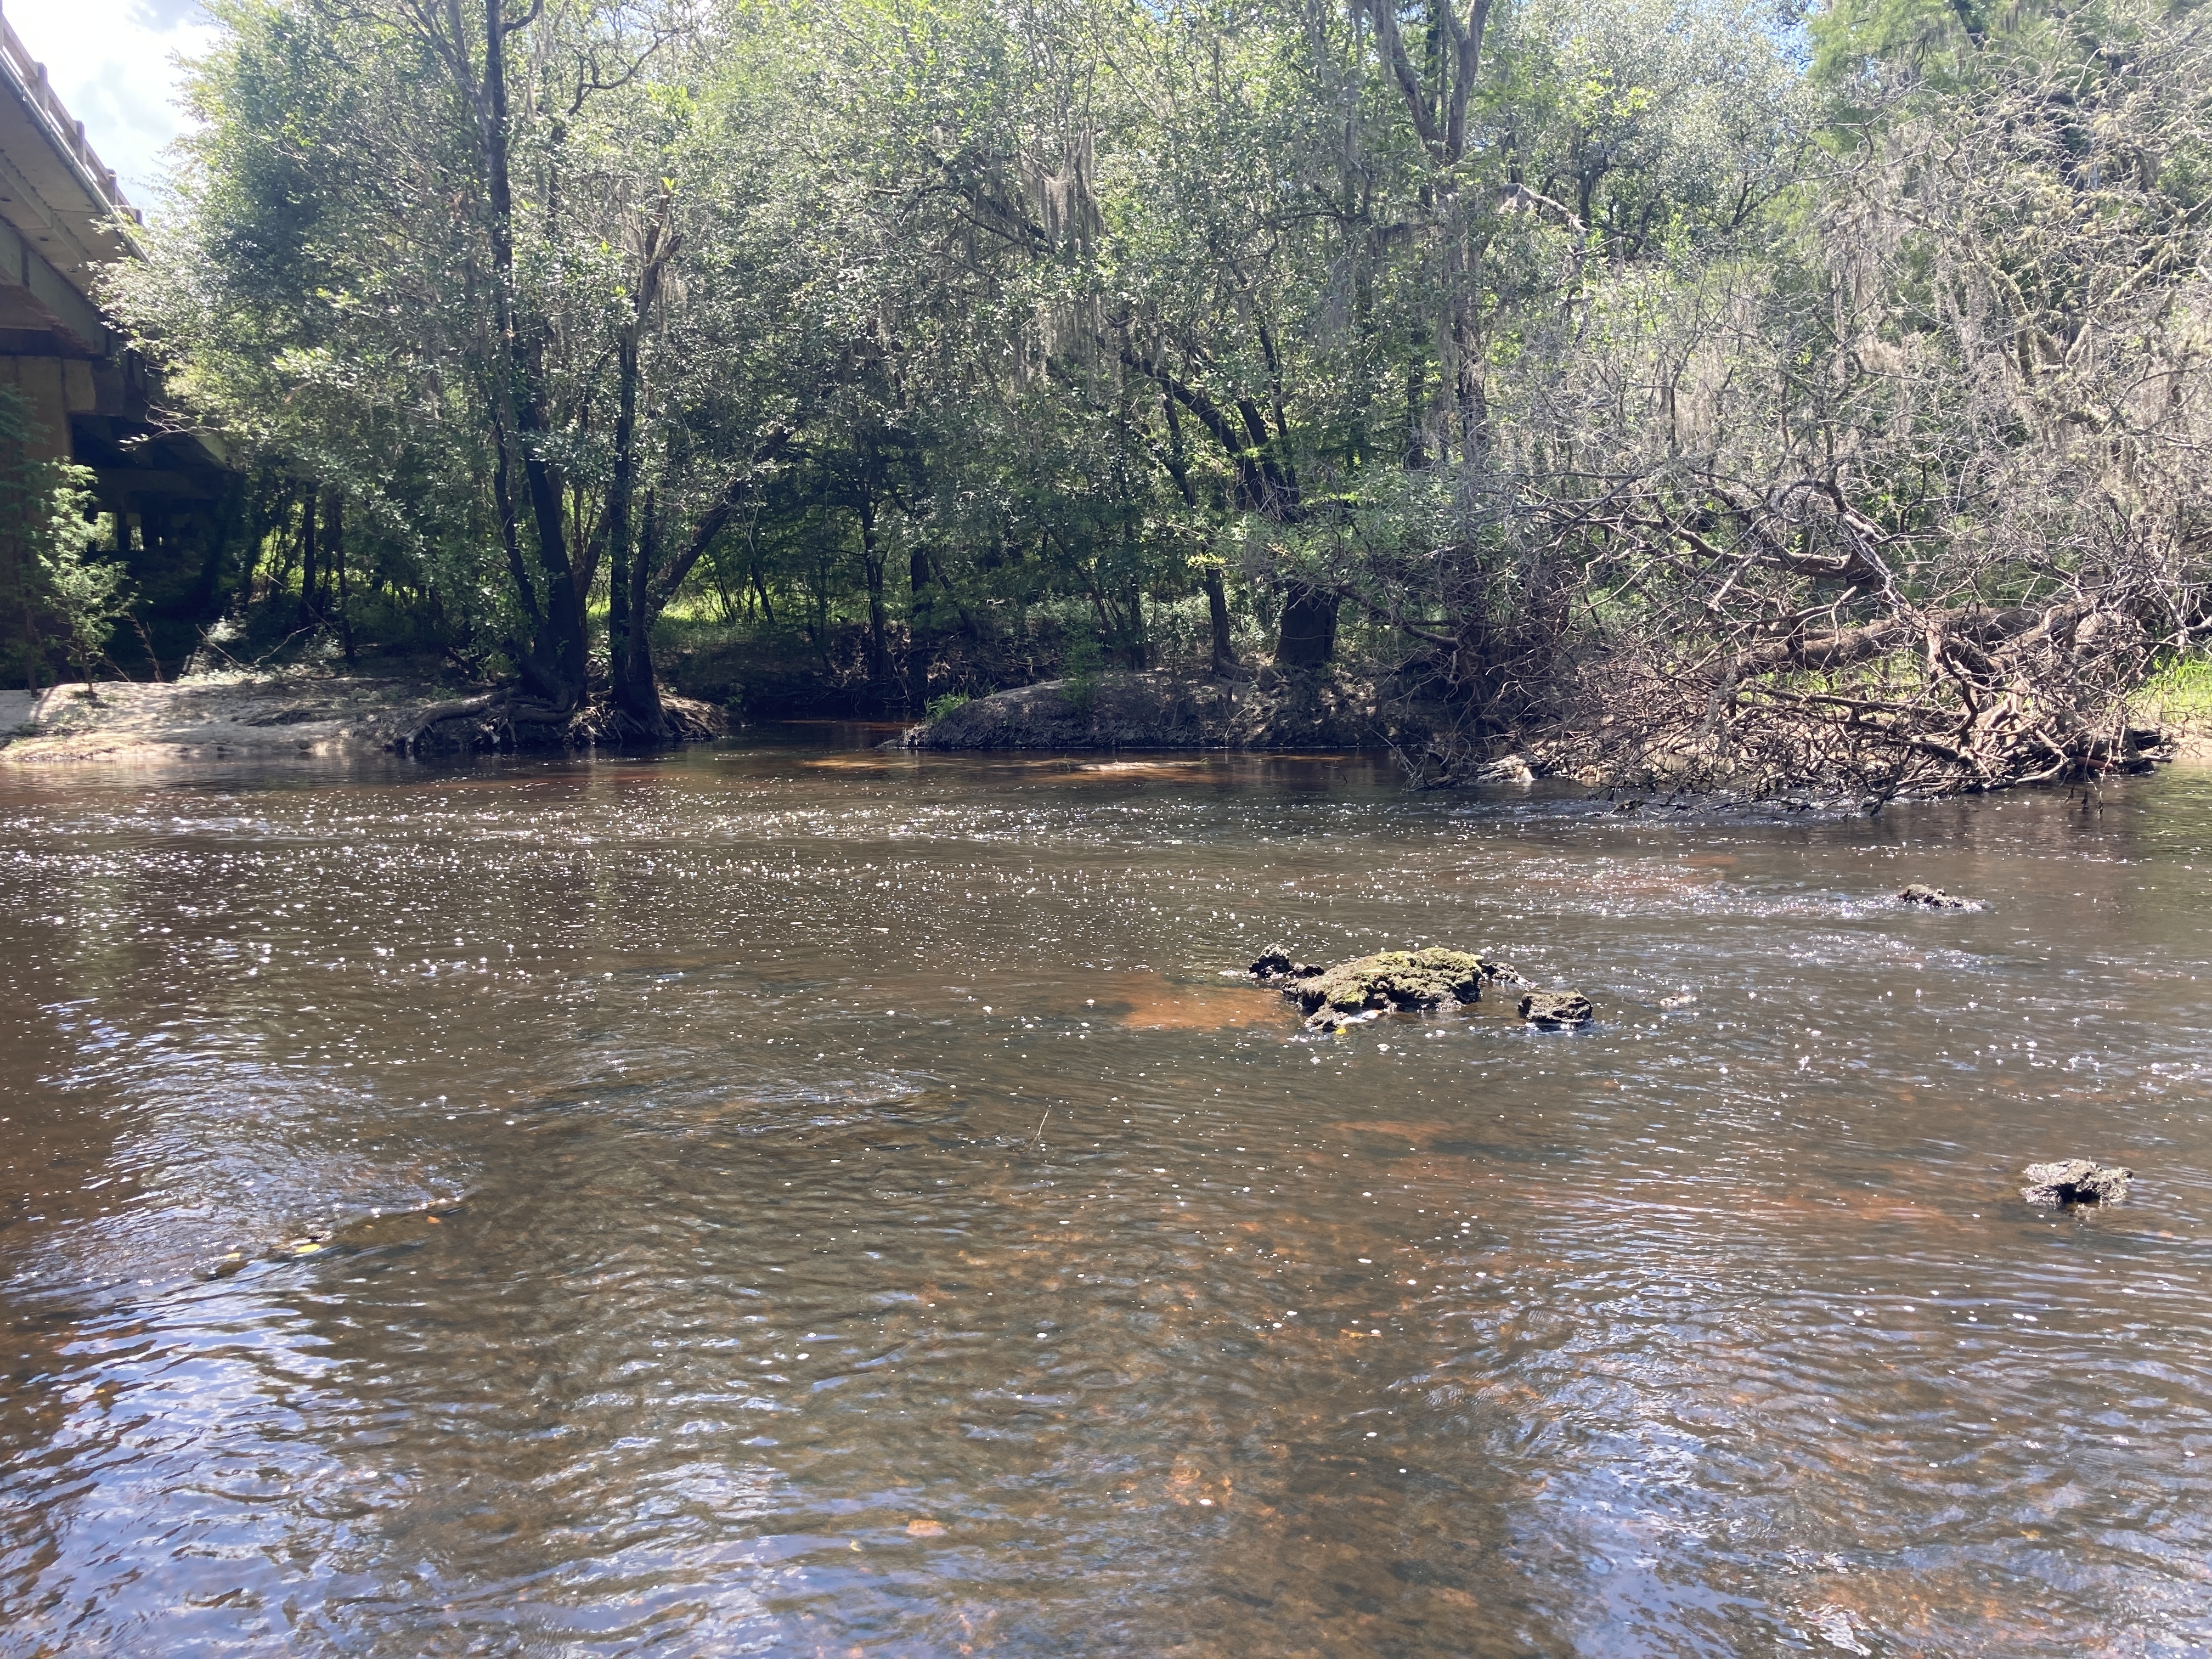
{"x":250,"y":718}
{"x":1337,"y":707}
{"x":1168,"y":709}
{"x":230,"y":719}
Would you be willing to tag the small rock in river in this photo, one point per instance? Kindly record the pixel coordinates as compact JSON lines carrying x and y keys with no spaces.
{"x":1554,"y":1009}
{"x":1933,"y":898}
{"x":1277,"y":965}
{"x":2075,"y":1180}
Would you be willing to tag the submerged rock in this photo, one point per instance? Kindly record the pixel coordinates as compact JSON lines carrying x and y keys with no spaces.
{"x":1369,"y":987}
{"x":2075,"y":1180}
{"x":1554,"y":1009}
{"x":1933,"y":898}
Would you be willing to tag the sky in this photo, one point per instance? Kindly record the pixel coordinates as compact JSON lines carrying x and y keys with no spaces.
{"x":111,"y":61}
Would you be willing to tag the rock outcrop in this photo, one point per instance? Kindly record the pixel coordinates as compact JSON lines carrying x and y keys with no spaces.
{"x":1366,"y":987}
{"x":2075,"y":1180}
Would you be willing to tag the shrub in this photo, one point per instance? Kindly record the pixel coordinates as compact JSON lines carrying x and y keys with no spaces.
{"x":1080,"y":673}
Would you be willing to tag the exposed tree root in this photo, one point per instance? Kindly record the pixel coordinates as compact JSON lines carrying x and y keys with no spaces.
{"x":506,"y":720}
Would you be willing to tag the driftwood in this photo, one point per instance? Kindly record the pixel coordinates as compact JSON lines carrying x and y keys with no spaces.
{"x":1921,"y":518}
{"x":438,"y":713}
{"x":1704,"y":635}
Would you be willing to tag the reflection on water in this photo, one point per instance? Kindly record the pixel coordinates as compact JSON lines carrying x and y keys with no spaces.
{"x":804,"y":1201}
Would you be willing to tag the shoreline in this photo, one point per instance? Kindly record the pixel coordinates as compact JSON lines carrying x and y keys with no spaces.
{"x":259,"y":718}
{"x":253,"y":718}
{"x":240,"y":718}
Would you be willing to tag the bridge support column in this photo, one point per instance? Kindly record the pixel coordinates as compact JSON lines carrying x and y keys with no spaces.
{"x":43,"y":384}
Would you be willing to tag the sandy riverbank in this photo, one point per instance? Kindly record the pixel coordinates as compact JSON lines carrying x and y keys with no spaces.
{"x":235,"y":718}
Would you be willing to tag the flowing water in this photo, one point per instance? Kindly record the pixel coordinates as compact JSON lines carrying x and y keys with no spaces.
{"x":790,"y":1200}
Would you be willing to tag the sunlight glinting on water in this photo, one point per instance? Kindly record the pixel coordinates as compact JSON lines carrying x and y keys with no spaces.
{"x":802,"y":1201}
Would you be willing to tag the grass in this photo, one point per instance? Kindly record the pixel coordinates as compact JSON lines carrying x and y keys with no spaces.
{"x":2179,"y":694}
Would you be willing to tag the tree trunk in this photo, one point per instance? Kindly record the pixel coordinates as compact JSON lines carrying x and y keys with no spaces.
{"x":1307,"y":638}
{"x":309,"y":567}
{"x":872,"y":559}
{"x":917,"y":629}
{"x":1417,"y":434}
{"x":555,"y":668}
{"x":636,"y":693}
{"x":1269,"y":487}
{"x":1471,"y":397}
{"x":1216,"y":608}
{"x":624,"y":610}
{"x":337,"y":562}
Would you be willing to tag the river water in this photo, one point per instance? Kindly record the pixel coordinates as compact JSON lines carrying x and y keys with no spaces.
{"x":791,"y":1200}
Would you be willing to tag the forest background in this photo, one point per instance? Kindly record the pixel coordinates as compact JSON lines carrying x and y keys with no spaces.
{"x":1684,"y":388}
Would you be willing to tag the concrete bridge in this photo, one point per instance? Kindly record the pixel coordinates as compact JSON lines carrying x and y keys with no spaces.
{"x":62,"y":218}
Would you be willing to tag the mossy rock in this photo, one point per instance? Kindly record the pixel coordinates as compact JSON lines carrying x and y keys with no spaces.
{"x":1370,"y":986}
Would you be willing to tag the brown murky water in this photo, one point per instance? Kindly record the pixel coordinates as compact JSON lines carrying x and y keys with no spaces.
{"x":793,"y":1202}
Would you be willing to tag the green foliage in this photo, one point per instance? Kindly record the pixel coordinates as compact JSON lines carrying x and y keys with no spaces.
{"x":59,"y":602}
{"x":1079,"y":669}
{"x":85,"y":596}
{"x":1036,"y":335}
{"x":2180,"y":691}
{"x":914,"y":340}
{"x":949,"y":704}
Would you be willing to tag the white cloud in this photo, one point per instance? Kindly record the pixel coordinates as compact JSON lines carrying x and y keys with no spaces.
{"x":112,"y":62}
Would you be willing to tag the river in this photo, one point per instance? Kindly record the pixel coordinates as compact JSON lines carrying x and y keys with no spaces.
{"x":789,"y":1198}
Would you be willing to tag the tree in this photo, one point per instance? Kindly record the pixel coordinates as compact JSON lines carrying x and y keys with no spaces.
{"x":57,"y":599}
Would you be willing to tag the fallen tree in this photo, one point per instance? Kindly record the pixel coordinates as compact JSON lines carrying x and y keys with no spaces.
{"x":1914,"y":507}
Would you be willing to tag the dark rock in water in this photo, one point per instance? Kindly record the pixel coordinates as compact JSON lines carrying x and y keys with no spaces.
{"x":1554,"y":1009}
{"x":1933,"y":898}
{"x":1369,"y":987}
{"x":1277,"y":965}
{"x":2075,"y":1180}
